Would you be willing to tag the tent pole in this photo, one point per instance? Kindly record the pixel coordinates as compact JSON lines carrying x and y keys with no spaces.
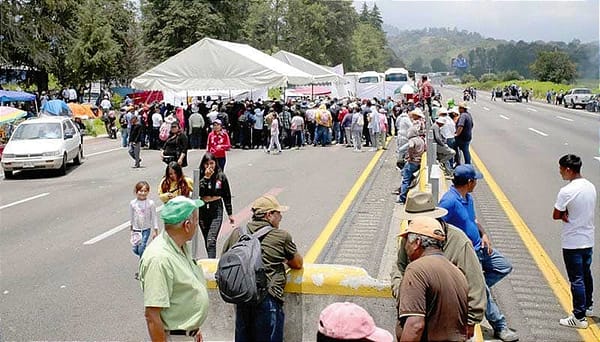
{"x":230,"y":94}
{"x":312,"y":92}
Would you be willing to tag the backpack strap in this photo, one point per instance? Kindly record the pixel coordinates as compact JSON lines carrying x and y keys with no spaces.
{"x":243,"y":230}
{"x":262,"y":232}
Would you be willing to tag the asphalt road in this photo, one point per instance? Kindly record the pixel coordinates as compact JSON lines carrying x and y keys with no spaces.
{"x":520,"y":144}
{"x":56,"y":288}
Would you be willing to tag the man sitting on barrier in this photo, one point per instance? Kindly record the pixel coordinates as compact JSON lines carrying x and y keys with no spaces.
{"x":416,"y":147}
{"x":461,"y":213}
{"x":432,"y":305}
{"x":458,"y":249}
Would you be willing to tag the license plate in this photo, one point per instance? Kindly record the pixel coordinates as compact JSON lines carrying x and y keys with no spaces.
{"x":28,"y":165}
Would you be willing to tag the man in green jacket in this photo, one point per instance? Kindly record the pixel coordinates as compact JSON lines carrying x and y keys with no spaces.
{"x":458,"y":249}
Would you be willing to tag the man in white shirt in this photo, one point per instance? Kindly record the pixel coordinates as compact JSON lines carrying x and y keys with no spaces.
{"x":157,"y":121}
{"x":575,"y":205}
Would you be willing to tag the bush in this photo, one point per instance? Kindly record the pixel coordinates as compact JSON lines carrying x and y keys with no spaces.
{"x":509,"y":76}
{"x":468,"y":78}
{"x":89,"y":128}
{"x":488,"y":77}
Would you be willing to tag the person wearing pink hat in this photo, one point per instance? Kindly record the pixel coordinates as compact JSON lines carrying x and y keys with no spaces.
{"x":348,"y":321}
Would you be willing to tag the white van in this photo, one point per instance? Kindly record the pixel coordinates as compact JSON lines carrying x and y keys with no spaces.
{"x":369,"y":85}
{"x":395,"y":78}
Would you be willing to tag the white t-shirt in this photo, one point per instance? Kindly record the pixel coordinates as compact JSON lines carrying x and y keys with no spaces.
{"x":578,"y":198}
{"x":156,"y":120}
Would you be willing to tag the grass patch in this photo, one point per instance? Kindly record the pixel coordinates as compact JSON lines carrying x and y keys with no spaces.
{"x":539,"y":88}
{"x":94,"y":127}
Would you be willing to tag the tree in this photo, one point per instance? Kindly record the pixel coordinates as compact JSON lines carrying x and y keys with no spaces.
{"x":94,"y":53}
{"x":375,"y":17}
{"x":554,"y":66}
{"x":366,"y":49}
{"x":437,"y":65}
{"x":417,"y":65}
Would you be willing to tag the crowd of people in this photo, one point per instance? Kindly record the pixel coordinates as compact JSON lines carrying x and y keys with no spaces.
{"x":445,"y":266}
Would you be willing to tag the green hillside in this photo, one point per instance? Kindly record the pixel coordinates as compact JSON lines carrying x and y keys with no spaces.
{"x":433,"y":43}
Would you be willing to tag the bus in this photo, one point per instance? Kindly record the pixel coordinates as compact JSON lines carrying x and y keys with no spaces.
{"x":395,"y":78}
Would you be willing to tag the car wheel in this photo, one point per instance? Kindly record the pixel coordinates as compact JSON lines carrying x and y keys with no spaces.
{"x":566,"y":105}
{"x":63,"y":168}
{"x":79,"y":157}
{"x":9,"y":175}
{"x":572,"y":104}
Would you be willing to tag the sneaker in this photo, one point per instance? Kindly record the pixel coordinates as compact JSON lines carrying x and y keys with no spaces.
{"x":506,"y":335}
{"x":589,"y":312}
{"x":573,"y":322}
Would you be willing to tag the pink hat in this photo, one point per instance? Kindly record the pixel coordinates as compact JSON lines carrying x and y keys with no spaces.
{"x":348,"y":321}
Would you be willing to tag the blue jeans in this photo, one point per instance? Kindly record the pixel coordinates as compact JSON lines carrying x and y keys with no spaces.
{"x":322,"y":135}
{"x":139,"y":248}
{"x":407,"y":177}
{"x":124,"y":136}
{"x":578,"y":262}
{"x":336,"y":132}
{"x":495,"y":267}
{"x":463,"y":146}
{"x":260,"y":322}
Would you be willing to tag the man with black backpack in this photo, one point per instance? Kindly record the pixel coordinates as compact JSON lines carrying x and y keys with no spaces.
{"x":259,"y":317}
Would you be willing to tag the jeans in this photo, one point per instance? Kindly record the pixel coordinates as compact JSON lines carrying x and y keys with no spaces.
{"x":139,"y":248}
{"x":337,"y":136}
{"x":452,"y":144}
{"x":297,"y":138}
{"x":374,"y":139}
{"x":134,"y":152}
{"x":124,"y":136}
{"x":444,"y":154}
{"x":407,"y":177}
{"x":578,"y":262}
{"x":348,"y":135}
{"x":261,"y":322}
{"x":357,"y":139}
{"x":495,"y":267}
{"x":211,"y":217}
{"x":321,"y":135}
{"x":463,"y":146}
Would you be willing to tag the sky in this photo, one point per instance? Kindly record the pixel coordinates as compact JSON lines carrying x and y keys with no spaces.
{"x":528,"y":20}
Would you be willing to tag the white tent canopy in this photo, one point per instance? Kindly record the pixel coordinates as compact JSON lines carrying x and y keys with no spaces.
{"x":212,"y":64}
{"x":320,"y":73}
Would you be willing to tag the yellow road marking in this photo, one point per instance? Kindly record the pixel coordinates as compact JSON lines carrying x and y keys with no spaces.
{"x":316,"y":249}
{"x":557,"y":282}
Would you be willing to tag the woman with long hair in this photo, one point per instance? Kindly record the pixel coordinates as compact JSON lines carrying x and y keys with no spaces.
{"x":215,"y":192}
{"x":174,"y":183}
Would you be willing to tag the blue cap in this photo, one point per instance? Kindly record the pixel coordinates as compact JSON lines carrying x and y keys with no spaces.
{"x":466,"y":171}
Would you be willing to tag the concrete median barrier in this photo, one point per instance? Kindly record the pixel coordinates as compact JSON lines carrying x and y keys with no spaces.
{"x":308,"y":291}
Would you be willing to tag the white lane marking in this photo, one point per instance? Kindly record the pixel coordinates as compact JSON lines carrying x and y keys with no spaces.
{"x":102,"y":152}
{"x":538,"y":132}
{"x":597,"y":158}
{"x":486,"y":108}
{"x":531,"y":109}
{"x":24,"y":200}
{"x":505,"y":117}
{"x":113,"y":231}
{"x":562,"y":118}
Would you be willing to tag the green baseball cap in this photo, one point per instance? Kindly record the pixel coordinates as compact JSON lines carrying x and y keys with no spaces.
{"x":178,"y":209}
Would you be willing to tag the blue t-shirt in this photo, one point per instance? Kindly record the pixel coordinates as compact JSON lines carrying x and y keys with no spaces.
{"x":461,"y":213}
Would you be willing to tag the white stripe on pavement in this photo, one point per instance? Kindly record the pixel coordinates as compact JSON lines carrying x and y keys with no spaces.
{"x":24,"y":200}
{"x":102,"y":152}
{"x":113,"y":231}
{"x":598,"y":158}
{"x":505,"y":117}
{"x":531,"y":109}
{"x":566,"y":119}
{"x":486,"y":108}
{"x":538,"y":132}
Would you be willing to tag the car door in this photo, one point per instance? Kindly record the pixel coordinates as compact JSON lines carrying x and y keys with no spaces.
{"x":72,"y":142}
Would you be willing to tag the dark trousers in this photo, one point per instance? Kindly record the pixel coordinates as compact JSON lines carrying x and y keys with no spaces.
{"x":578,"y":262}
{"x":211,"y":217}
{"x":195,"y":137}
{"x":261,"y":322}
{"x":257,"y":140}
{"x":462,"y":146}
{"x":154,"y":141}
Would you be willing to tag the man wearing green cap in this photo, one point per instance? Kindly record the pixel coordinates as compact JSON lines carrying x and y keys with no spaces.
{"x":175,"y":295}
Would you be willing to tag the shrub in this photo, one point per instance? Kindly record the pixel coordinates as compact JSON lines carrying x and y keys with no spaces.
{"x":509,"y":76}
{"x":468,"y":78}
{"x":488,"y":77}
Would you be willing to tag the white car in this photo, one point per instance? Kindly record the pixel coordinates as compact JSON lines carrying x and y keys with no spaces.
{"x":43,"y":143}
{"x":577,"y":97}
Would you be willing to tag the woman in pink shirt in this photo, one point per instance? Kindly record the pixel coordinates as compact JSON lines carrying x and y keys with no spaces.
{"x":218,"y":143}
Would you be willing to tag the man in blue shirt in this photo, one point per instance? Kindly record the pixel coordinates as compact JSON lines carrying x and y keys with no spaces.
{"x":461,"y":213}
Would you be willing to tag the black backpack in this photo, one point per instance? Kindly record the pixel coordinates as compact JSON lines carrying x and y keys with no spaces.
{"x":240,"y":275}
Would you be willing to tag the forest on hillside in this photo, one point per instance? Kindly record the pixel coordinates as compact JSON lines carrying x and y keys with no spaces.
{"x":432,"y":49}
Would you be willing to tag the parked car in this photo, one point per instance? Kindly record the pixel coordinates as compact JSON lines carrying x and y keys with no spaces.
{"x":512,"y":93}
{"x":42,"y":143}
{"x":593,"y":105}
{"x":577,"y":97}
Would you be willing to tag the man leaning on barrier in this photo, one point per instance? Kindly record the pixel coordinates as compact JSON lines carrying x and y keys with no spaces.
{"x":457,"y":249}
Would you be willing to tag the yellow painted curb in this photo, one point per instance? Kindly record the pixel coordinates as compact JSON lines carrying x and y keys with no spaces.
{"x":557,"y":282}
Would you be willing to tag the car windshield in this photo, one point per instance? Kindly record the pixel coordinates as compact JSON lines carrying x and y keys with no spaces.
{"x":47,"y":130}
{"x":396,"y":77}
{"x":583,"y":91}
{"x":368,"y":79}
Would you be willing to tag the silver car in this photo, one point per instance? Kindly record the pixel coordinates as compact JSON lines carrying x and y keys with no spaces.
{"x":43,"y":143}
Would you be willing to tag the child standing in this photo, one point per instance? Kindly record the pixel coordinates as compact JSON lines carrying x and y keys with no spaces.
{"x":143,"y":218}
